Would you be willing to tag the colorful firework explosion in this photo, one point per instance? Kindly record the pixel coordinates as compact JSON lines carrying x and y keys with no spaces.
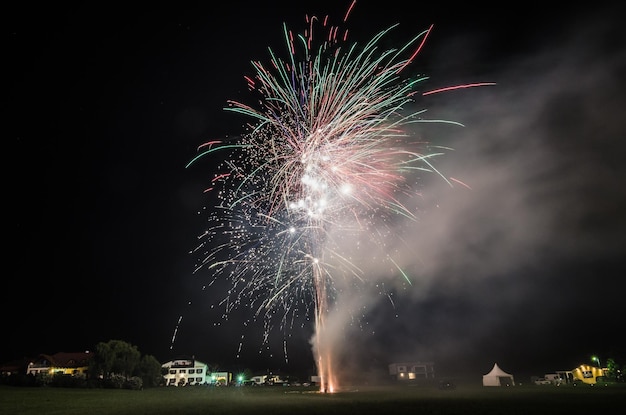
{"x":329,"y":159}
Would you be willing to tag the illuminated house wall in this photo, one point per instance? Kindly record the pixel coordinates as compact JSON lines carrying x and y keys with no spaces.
{"x":60,"y":364}
{"x":587,"y":374}
{"x":406,"y":371}
{"x":183,"y":372}
{"x":220,"y":378}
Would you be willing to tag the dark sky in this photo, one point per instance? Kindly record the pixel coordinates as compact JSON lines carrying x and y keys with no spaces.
{"x":106,"y":103}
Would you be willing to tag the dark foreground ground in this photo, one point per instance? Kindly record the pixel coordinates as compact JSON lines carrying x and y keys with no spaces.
{"x":405,"y":399}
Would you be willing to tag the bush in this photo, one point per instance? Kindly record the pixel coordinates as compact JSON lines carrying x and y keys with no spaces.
{"x":134,"y":383}
{"x":115,"y":382}
{"x":68,"y":381}
{"x":19,"y":379}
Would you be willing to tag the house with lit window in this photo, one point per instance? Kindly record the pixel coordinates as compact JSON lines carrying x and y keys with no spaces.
{"x":409,"y":371}
{"x":186,"y":372}
{"x":220,"y":378}
{"x":62,"y":363}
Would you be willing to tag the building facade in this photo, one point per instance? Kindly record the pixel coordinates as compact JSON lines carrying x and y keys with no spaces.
{"x":76,"y":363}
{"x":407,"y":371}
{"x":186,"y":372}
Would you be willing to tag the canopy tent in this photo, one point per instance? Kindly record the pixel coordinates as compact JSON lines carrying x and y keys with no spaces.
{"x":498,"y":377}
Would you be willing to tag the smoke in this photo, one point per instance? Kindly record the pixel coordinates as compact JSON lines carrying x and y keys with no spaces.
{"x":488,"y":266}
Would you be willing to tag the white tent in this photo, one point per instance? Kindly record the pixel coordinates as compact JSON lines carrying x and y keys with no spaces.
{"x":498,"y":377}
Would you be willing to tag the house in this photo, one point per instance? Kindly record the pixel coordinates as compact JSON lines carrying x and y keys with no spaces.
{"x":189,"y":372}
{"x":62,"y":363}
{"x":183,"y":372}
{"x":14,"y":367}
{"x":408,"y":371}
{"x":220,"y":378}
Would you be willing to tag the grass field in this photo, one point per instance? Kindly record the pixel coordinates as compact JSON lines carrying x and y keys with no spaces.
{"x":419,"y":399}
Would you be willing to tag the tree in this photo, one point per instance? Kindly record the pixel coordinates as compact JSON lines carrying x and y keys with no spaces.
{"x":116,"y":357}
{"x":611,"y":369}
{"x":150,"y":371}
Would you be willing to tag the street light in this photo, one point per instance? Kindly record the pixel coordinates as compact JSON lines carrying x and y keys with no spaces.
{"x":597,"y":359}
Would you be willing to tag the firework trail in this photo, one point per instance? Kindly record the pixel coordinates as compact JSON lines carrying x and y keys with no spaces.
{"x":327,"y":156}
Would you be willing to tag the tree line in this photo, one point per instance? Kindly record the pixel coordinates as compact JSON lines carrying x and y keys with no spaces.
{"x":115,"y":364}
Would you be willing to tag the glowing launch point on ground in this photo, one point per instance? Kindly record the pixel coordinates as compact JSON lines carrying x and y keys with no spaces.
{"x":331,"y":121}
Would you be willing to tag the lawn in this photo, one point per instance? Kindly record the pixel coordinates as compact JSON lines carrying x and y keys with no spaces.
{"x":420,"y":399}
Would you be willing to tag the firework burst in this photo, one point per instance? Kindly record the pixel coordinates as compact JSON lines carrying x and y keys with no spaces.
{"x":328,"y":157}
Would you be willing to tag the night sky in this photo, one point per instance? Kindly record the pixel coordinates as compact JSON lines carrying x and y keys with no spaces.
{"x":105,"y":104}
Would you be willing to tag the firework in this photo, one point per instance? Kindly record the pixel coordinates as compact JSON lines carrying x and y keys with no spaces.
{"x":328,"y":156}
